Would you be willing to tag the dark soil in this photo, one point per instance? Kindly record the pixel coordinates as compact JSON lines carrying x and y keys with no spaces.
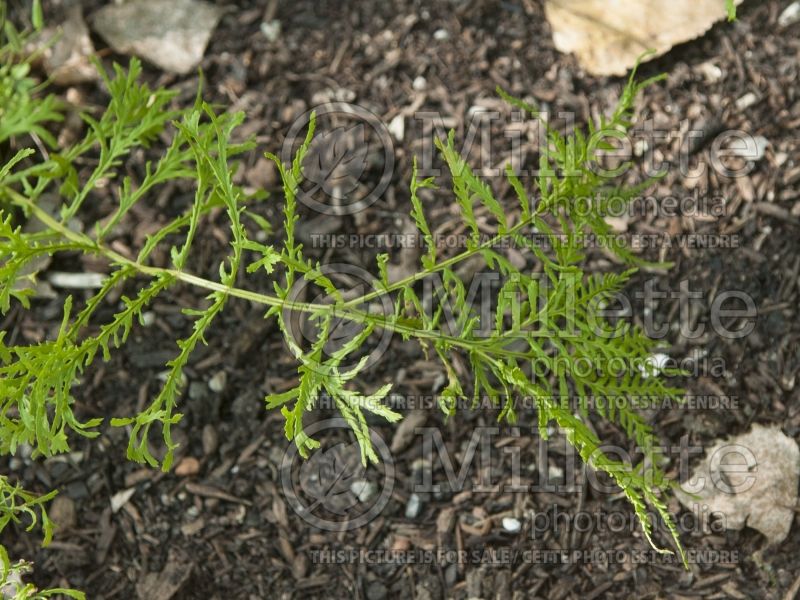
{"x":228,"y":531}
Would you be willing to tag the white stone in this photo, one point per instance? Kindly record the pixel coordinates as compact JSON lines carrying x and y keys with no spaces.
{"x":751,"y":147}
{"x":77,"y":281}
{"x":790,"y":15}
{"x":413,"y":507}
{"x":711,"y":72}
{"x":654,"y":364}
{"x":217,"y":383}
{"x":363,"y":490}
{"x":512,"y":525}
{"x":397,"y":127}
{"x":746,"y":101}
{"x":271,"y":30}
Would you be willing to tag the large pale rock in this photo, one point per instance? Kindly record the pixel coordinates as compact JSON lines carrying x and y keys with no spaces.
{"x":608,"y":36}
{"x":172,"y":34}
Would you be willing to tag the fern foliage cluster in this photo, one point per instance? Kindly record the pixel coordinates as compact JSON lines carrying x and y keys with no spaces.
{"x":546,"y":324}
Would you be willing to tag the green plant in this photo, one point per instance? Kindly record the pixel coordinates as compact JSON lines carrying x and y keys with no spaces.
{"x":23,"y":111}
{"x":730,"y":6}
{"x":545,"y":324}
{"x":14,"y":504}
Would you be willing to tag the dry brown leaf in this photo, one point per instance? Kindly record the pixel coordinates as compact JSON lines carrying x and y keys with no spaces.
{"x":608,"y":36}
{"x":749,"y":480}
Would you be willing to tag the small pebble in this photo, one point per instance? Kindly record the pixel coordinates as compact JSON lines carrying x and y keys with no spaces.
{"x":363,"y":490}
{"x":271,"y":30}
{"x":441,"y":35}
{"x":790,"y":15}
{"x":62,"y":512}
{"x":344,"y":95}
{"x":711,"y":72}
{"x":419,"y":83}
{"x":554,"y":472}
{"x":654,"y":364}
{"x":397,"y":127}
{"x":746,"y":101}
{"x":761,"y":146}
{"x":217,"y":383}
{"x":80,"y":281}
{"x":188,"y":466}
{"x":413,"y":506}
{"x":512,"y":525}
{"x":640,"y":147}
{"x":750,"y":148}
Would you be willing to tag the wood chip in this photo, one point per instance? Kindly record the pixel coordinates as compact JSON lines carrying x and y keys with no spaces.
{"x":445,"y":520}
{"x":209,"y":491}
{"x":164,"y":585}
{"x":121,"y":498}
{"x":407,"y":429}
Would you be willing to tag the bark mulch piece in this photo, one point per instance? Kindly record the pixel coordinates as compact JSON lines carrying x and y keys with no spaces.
{"x":222,"y":527}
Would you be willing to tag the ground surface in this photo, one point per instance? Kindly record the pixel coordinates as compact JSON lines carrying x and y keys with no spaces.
{"x":229,"y":526}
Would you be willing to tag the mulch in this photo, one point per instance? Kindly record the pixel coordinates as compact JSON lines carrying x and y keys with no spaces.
{"x":223,"y":529}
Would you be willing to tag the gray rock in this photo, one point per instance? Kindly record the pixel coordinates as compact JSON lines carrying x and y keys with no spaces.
{"x":171,"y":34}
{"x":62,"y":512}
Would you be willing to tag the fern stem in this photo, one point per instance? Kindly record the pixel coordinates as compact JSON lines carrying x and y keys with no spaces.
{"x":440,"y":266}
{"x":344,"y":310}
